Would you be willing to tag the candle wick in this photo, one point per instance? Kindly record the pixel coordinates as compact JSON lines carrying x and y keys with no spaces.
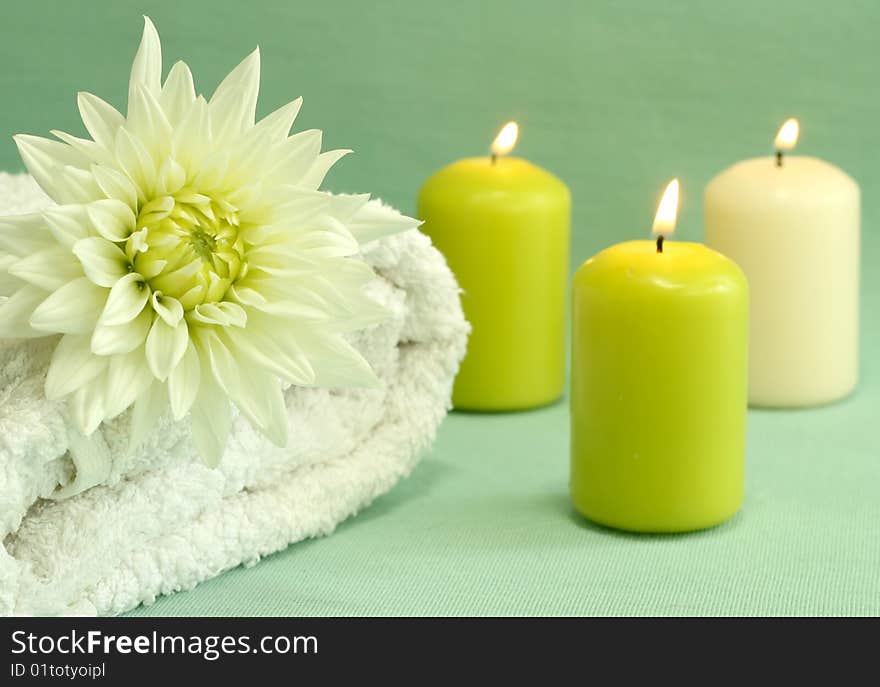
{"x":660,"y":243}
{"x":779,"y":158}
{"x":494,"y":158}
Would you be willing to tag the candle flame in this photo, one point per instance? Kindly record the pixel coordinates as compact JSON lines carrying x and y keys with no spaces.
{"x":664,"y":220}
{"x":506,"y":139}
{"x":787,"y":137}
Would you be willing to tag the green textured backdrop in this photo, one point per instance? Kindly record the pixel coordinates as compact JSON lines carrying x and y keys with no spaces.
{"x":615,"y":98}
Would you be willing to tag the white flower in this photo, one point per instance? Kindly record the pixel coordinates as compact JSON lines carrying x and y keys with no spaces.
{"x":191,"y":259}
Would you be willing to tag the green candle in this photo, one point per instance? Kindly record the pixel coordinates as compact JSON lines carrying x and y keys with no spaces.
{"x":659,"y":385}
{"x":503,"y":225}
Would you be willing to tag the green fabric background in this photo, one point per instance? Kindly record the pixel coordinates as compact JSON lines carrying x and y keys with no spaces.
{"x":615,"y":98}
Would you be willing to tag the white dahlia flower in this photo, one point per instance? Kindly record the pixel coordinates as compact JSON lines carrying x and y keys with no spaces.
{"x":190,"y":260}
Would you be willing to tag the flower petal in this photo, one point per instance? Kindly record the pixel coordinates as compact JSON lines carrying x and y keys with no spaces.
{"x":126,"y":300}
{"x":168,"y":308}
{"x":80,"y":185}
{"x":146,"y":69}
{"x":86,"y":147}
{"x":277,"y":125}
{"x":340,"y":303}
{"x":53,"y":166}
{"x":16,"y":311}
{"x":103,"y":261}
{"x":112,"y":219}
{"x":214,"y":168}
{"x":295,"y":157}
{"x":256,"y":392}
{"x":323,"y":244}
{"x":73,"y":365}
{"x":122,"y":338}
{"x":291,"y":208}
{"x":150,"y":267}
{"x":375,"y":220}
{"x":246,"y":296}
{"x":315,"y":176}
{"x":147,"y":122}
{"x":87,"y":405}
{"x":136,"y":162}
{"x":68,"y":223}
{"x":279,"y":259}
{"x":22,"y":235}
{"x":100,"y":119}
{"x":178,"y":93}
{"x":222,"y":362}
{"x":193,"y":297}
{"x":234,"y":104}
{"x":172,"y":176}
{"x":343,"y":206}
{"x":9,"y":283}
{"x":189,"y":143}
{"x":337,"y":363}
{"x":116,"y":185}
{"x":183,"y":382}
{"x":72,"y":309}
{"x":49,"y":269}
{"x":277,"y":353}
{"x":267,"y":398}
{"x":127,"y":378}
{"x":165,"y":347}
{"x":262,"y":142}
{"x":224,"y":313}
{"x":148,"y":408}
{"x":211,"y":418}
{"x":51,"y":152}
{"x":137,"y":243}
{"x":235,"y":314}
{"x":209,"y":313}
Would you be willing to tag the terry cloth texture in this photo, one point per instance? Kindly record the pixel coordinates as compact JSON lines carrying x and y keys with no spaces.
{"x":157,"y":520}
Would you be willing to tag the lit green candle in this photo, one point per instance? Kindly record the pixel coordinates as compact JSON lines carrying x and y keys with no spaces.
{"x":503,"y":225}
{"x":659,"y":379}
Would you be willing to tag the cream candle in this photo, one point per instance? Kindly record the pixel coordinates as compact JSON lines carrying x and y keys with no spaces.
{"x":792,"y":225}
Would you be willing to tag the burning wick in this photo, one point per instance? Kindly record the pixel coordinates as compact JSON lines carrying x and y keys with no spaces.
{"x":664,"y":220}
{"x":786,"y":139}
{"x":504,"y":141}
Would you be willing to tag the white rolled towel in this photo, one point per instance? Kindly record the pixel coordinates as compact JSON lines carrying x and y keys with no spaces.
{"x":93,"y":527}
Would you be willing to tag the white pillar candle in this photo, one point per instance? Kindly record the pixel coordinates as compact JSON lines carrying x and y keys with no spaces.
{"x":792,"y":225}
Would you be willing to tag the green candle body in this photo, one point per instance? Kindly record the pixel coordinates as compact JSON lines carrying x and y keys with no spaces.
{"x":659,"y":387}
{"x":504,"y":229}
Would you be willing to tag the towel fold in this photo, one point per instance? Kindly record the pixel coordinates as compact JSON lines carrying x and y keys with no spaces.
{"x":92,"y":526}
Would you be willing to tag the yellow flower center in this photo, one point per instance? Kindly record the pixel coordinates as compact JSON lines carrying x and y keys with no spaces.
{"x":188,"y":247}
